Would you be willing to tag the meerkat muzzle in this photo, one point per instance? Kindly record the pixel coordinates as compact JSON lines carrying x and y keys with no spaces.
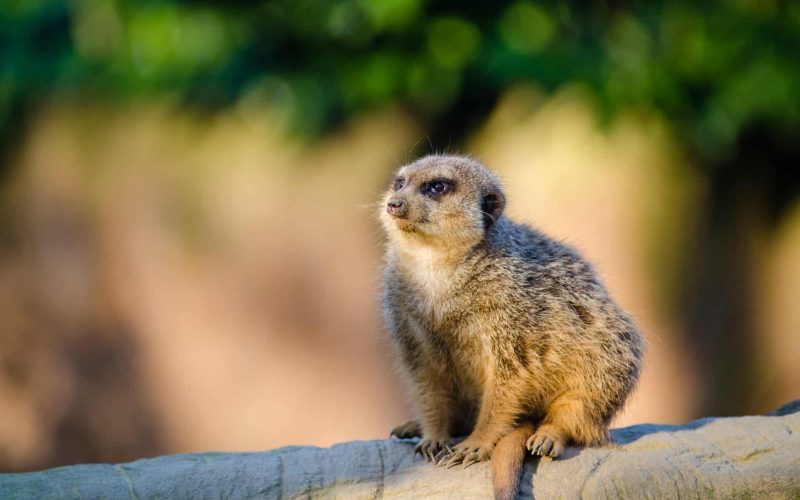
{"x":397,"y":207}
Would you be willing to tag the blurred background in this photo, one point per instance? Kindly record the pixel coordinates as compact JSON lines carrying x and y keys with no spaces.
{"x":188,"y":241}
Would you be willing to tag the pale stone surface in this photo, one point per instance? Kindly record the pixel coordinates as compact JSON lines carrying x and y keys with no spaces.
{"x":752,"y":457}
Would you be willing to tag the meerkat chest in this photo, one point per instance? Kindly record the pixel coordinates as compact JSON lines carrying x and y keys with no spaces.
{"x":434,"y":281}
{"x":459,"y":345}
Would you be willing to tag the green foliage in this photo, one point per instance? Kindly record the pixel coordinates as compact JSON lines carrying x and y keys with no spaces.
{"x":712,"y":68}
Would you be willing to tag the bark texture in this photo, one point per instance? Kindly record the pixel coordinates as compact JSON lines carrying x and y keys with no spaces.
{"x":736,"y":457}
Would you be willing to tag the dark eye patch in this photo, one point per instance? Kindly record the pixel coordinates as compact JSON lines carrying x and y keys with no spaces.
{"x":437,"y":187}
{"x":398,"y":183}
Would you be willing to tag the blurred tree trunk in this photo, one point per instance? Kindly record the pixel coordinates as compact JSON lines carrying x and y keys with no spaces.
{"x":746,"y":196}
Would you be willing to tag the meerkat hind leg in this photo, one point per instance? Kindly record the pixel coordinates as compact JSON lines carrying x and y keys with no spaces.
{"x":567,"y":419}
{"x":410,"y":429}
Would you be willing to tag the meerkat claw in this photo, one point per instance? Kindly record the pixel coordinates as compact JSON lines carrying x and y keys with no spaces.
{"x":470,"y":459}
{"x":443,"y":453}
{"x":545,"y":446}
{"x":410,"y":429}
{"x":430,"y":449}
{"x":534,"y":443}
{"x":444,"y":457}
{"x":453,"y":459}
{"x":419,"y":449}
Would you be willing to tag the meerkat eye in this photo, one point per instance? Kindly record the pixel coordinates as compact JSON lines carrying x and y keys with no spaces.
{"x":438,"y":187}
{"x":398,"y":184}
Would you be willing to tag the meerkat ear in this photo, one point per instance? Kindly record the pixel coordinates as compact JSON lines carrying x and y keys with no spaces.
{"x":492,"y":206}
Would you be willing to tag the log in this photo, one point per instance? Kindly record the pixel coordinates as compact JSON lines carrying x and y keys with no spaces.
{"x":733,"y":457}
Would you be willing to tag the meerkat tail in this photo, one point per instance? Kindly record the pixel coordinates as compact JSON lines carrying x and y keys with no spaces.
{"x":507,"y":459}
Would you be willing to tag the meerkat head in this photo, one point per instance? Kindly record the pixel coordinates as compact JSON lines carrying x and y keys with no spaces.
{"x":445,"y":199}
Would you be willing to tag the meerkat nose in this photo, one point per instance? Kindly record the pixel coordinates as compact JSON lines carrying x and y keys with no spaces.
{"x":396,"y":207}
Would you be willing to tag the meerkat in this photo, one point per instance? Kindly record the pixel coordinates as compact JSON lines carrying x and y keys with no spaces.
{"x":503,"y":334}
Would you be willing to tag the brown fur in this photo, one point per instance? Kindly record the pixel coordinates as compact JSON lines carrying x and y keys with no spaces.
{"x":507,"y":458}
{"x":497,"y":328}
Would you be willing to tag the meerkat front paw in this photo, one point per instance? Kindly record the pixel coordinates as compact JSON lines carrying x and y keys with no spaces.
{"x":410,"y":429}
{"x":430,"y":449}
{"x":546,"y":443}
{"x":468,"y":452}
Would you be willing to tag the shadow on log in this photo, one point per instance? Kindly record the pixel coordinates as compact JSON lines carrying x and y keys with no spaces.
{"x":753,"y":457}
